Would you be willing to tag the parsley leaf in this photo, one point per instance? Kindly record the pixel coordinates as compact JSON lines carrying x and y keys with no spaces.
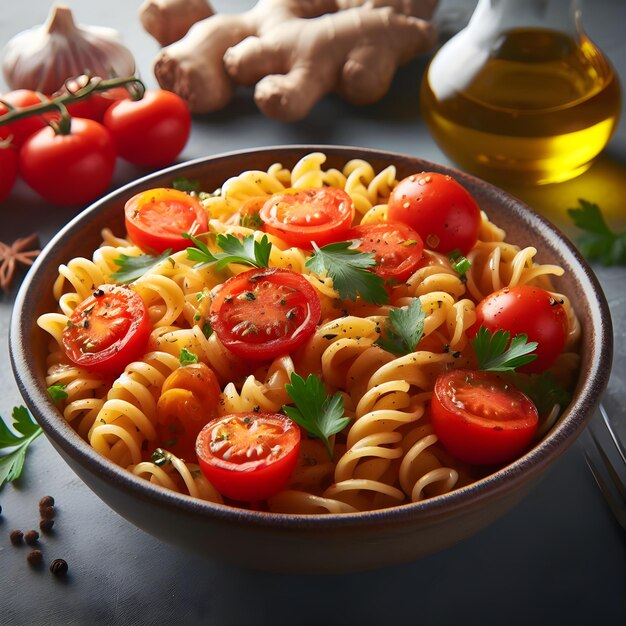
{"x":321,"y":415}
{"x":404,"y":329}
{"x":188,"y":185}
{"x":493,"y":355}
{"x":248,"y":251}
{"x":186,"y":357}
{"x":57,"y":392}
{"x":12,"y":464}
{"x":543,"y":391}
{"x":348,"y":269}
{"x":598,"y":242}
{"x":134,"y":267}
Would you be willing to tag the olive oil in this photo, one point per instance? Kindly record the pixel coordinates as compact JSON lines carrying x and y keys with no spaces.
{"x":537,"y":108}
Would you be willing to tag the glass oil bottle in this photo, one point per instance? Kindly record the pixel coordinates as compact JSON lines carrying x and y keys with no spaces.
{"x":522,"y":95}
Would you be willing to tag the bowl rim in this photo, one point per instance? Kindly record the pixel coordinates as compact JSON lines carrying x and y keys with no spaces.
{"x":501,"y":482}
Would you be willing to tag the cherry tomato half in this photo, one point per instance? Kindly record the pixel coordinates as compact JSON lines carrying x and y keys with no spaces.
{"x":480,"y":418}
{"x":440,"y":209}
{"x":22,"y":129}
{"x":300,"y":217}
{"x":72,"y":169}
{"x":108,"y":330}
{"x":8,"y":171}
{"x":188,"y":401}
{"x":152,"y":131}
{"x":531,"y":311}
{"x":248,"y":456}
{"x":155,"y":219}
{"x":264,"y":313}
{"x":396,"y":247}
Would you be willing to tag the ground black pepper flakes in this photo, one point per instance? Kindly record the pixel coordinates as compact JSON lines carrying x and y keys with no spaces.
{"x":46,"y":501}
{"x":16,"y":537}
{"x":31,"y":537}
{"x":45,"y":525}
{"x":35,"y":557}
{"x":59,"y":567}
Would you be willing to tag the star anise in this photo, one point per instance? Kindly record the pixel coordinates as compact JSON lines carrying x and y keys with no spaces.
{"x":21,"y":252}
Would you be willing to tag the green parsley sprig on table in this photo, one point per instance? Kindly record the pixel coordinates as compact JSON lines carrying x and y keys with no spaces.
{"x":598,"y":242}
{"x":318,"y":413}
{"x":247,"y":251}
{"x":349,"y":271}
{"x":134,"y":267}
{"x":12,"y":463}
{"x":404,"y":329}
{"x":494,"y":356}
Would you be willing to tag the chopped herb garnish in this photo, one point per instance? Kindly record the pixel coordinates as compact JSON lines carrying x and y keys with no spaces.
{"x":318,"y":413}
{"x":134,"y":267}
{"x":598,"y":242}
{"x":248,"y":251}
{"x":12,"y":464}
{"x":251,"y":220}
{"x":57,"y":392}
{"x":348,"y":269}
{"x":492,"y":352}
{"x":186,"y":357}
{"x":404,"y":329}
{"x":160,"y":457}
{"x":186,"y":184}
{"x":207,"y":330}
{"x":460,"y":264}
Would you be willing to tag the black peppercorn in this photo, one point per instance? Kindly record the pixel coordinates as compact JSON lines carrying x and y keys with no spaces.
{"x":47,"y":512}
{"x":58,"y":567}
{"x":35,"y":557}
{"x":46,"y":501}
{"x":31,"y":537}
{"x":45,"y":525}
{"x":16,"y":537}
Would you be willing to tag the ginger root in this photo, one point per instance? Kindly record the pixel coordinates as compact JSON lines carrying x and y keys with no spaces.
{"x":294,"y":51}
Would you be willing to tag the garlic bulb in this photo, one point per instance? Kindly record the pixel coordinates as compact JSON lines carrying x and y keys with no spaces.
{"x":44,"y":57}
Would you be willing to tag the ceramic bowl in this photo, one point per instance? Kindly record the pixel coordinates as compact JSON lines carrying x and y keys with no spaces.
{"x":311,"y":543}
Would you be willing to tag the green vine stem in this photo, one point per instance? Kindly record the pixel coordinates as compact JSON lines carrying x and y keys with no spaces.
{"x":135,"y":87}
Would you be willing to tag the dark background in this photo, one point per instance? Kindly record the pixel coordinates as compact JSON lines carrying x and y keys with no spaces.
{"x":558,"y":558}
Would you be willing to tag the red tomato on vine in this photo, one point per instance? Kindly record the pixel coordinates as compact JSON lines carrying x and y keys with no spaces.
{"x":69,"y":169}
{"x":151,"y":131}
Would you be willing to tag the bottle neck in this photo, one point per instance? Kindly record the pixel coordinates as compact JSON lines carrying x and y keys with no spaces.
{"x":496,"y":16}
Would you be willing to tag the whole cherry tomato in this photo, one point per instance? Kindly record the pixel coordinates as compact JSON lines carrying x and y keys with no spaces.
{"x":527,"y":310}
{"x":480,"y":418}
{"x":440,"y":209}
{"x":248,"y":456}
{"x":94,"y":106}
{"x":152,"y":131}
{"x":69,"y":169}
{"x":8,"y":170}
{"x":21,"y":130}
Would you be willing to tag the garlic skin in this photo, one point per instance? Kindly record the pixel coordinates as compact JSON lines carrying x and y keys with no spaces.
{"x":44,"y":57}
